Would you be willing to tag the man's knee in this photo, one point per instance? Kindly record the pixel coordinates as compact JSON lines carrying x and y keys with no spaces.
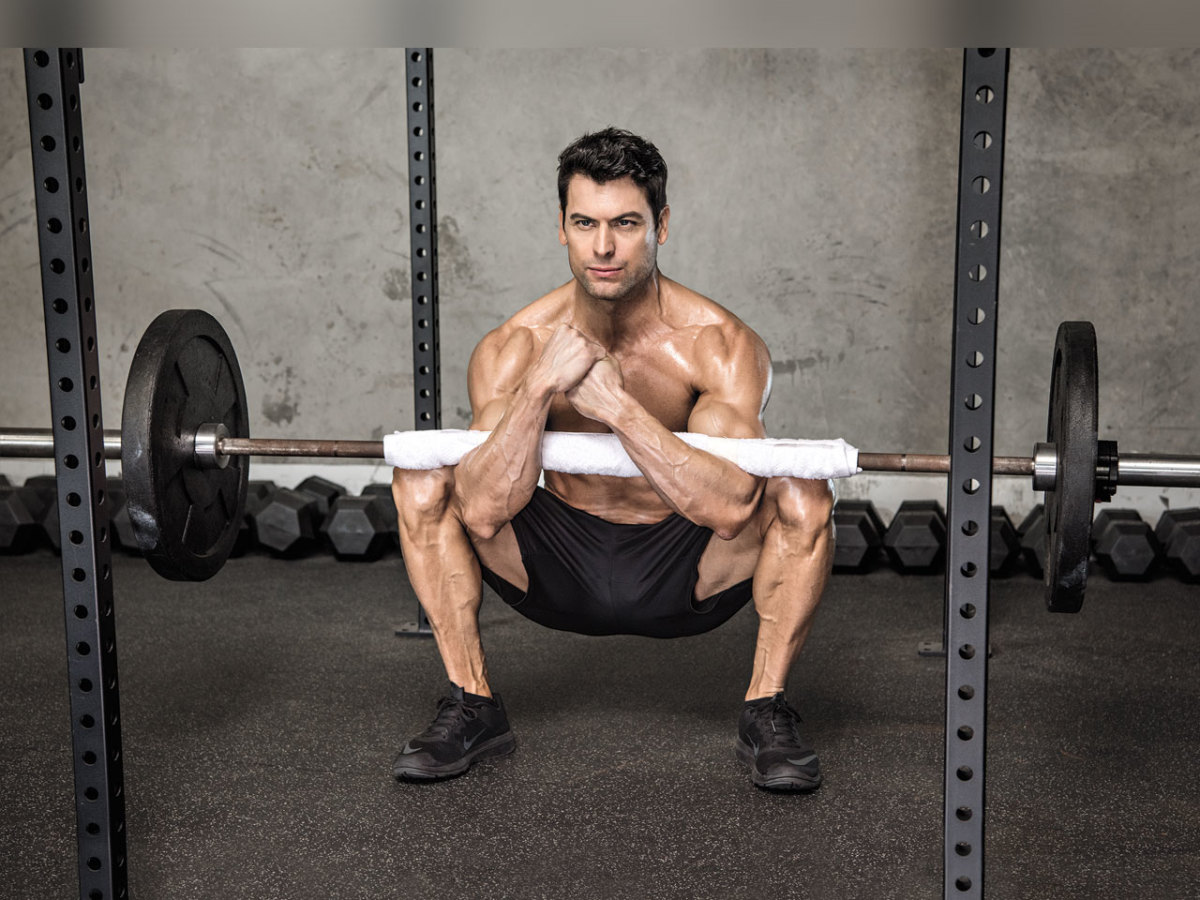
{"x":802,"y":505}
{"x":423,"y":497}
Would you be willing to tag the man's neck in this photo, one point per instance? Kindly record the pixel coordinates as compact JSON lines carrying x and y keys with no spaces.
{"x":610,"y":322}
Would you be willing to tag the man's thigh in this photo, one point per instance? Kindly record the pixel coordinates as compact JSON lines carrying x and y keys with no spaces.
{"x":502,"y":554}
{"x":726,"y":563}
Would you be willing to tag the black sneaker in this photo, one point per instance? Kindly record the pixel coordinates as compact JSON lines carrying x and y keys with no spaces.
{"x":467,"y":728}
{"x":769,"y":743}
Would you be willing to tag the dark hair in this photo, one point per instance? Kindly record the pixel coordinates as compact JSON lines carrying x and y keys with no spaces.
{"x":611,"y":154}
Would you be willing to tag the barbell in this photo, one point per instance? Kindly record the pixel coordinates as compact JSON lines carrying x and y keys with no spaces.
{"x":184,"y":446}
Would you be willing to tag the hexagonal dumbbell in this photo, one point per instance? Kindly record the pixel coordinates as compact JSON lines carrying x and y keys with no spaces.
{"x":323,"y":489}
{"x":18,"y":528}
{"x":915,"y":540}
{"x":1178,"y":533}
{"x":288,"y":523}
{"x":1125,"y":545}
{"x":357,"y":528}
{"x":42,"y":491}
{"x":257,"y":494}
{"x":859,"y":535}
{"x":1033,"y":540}
{"x":1005,"y":544}
{"x":383,"y":493}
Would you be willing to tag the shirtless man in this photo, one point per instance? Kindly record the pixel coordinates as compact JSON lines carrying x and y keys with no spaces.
{"x":618,"y":348}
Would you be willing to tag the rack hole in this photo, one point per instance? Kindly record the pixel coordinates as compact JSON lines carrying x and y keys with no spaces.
{"x":419,"y":156}
{"x":91,"y":793}
{"x":51,"y":185}
{"x":977,"y":317}
{"x":83,"y":226}
{"x":966,"y":651}
{"x":972,"y":444}
{"x":93,"y":863}
{"x":89,"y":758}
{"x":420,"y":229}
{"x":54,"y":226}
{"x":423,"y":370}
{"x":78,"y":574}
{"x":977,"y":273}
{"x":418,"y":106}
{"x":81,"y":611}
{"x":68,"y":423}
{"x":76,"y":537}
{"x":425,"y":417}
{"x":71,"y":461}
{"x":47,"y":143}
{"x":966,"y":692}
{"x":974,"y":401}
{"x":72,"y":101}
{"x":59,"y":306}
{"x":424,"y":393}
{"x":965,"y":773}
{"x":76,"y":143}
{"x":73,"y":499}
{"x":969,"y":570}
{"x":985,"y":52}
{"x":416,"y":56}
{"x":62,"y":345}
{"x":45,"y":101}
{"x":57,"y":266}
{"x":417,"y":82}
{"x":963,"y":883}
{"x":970,"y":528}
{"x":83,"y":648}
{"x":79,"y":185}
{"x":983,"y":140}
{"x":971,"y":486}
{"x":981,"y":183}
{"x":85,"y":685}
{"x":965,"y":732}
{"x":87,"y":721}
{"x":963,"y":813}
{"x":967,"y":610}
{"x":979,"y":229}
{"x":41,"y":59}
{"x":975,"y":360}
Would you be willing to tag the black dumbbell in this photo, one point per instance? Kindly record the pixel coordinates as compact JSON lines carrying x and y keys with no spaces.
{"x":357,"y":528}
{"x":1005,"y":545}
{"x":257,"y":494}
{"x":18,"y":529}
{"x":1178,"y":534}
{"x":859,"y":535}
{"x":1124,"y":544}
{"x":287,"y":523}
{"x":1033,"y":540}
{"x":915,"y":540}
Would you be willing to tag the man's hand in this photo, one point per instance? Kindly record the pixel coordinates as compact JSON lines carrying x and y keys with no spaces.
{"x":598,"y":393}
{"x":566,"y":358}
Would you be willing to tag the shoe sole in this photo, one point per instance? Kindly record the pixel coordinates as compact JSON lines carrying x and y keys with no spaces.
{"x":501,"y":745}
{"x":783,"y":784}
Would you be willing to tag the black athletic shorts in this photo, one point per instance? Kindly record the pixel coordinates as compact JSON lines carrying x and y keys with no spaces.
{"x":592,"y":576}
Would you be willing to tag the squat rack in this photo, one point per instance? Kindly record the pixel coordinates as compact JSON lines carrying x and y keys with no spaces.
{"x":53,"y":79}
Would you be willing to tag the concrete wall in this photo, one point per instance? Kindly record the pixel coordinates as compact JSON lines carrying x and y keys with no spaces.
{"x":812,"y":192}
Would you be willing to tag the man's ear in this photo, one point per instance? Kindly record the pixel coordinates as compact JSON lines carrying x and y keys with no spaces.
{"x":664,"y":215}
{"x":562,"y":234}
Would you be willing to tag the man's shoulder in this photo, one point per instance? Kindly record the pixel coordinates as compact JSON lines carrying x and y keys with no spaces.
{"x":527,"y":328}
{"x":719,"y":332}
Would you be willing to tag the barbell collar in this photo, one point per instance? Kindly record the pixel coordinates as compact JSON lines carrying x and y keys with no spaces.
{"x":1045,"y":467}
{"x":206,"y":447}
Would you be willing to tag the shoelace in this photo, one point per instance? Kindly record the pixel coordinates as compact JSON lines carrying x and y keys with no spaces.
{"x":451,"y":712}
{"x":784,"y":719}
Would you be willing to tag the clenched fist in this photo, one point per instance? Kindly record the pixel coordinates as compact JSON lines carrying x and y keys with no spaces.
{"x":597,"y":393}
{"x":566,"y":358}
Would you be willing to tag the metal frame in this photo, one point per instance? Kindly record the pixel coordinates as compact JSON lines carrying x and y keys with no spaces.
{"x":969,"y":488}
{"x":422,"y":219}
{"x":52,"y":80}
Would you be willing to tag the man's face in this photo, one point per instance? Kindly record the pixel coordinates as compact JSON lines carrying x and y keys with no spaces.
{"x":608,"y":230}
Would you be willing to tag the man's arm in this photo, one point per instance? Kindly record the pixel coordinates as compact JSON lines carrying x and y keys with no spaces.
{"x":511,"y":387}
{"x":706,"y":489}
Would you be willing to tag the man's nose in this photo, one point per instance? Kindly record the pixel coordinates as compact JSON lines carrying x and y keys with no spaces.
{"x":603,"y":243}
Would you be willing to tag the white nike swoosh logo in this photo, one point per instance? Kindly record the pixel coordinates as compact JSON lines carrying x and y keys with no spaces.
{"x":803,"y":762}
{"x":468,"y":744}
{"x":409,"y":748}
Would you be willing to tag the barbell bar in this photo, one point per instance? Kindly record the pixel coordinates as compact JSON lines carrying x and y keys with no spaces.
{"x":1133,"y":469}
{"x":184,"y":444}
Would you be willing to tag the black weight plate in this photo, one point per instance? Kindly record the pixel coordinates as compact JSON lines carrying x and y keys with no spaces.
{"x":184,"y":374}
{"x":1071,"y":427}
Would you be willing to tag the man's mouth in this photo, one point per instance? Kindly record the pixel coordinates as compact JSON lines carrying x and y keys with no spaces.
{"x":603,"y":272}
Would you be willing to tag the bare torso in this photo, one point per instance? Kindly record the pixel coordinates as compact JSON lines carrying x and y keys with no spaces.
{"x":667,"y":362}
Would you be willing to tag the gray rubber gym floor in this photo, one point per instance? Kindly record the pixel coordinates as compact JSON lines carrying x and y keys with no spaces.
{"x":261,"y":710}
